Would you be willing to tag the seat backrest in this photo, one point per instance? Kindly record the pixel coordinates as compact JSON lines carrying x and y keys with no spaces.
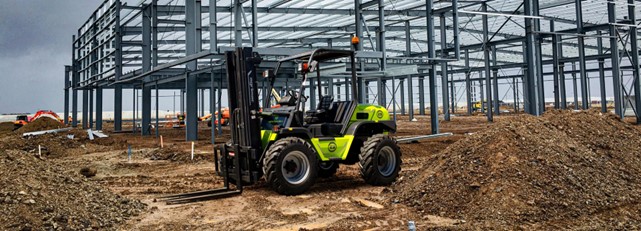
{"x":340,"y":110}
{"x":326,"y":102}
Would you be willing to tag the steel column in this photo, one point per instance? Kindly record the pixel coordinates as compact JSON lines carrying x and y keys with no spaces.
{"x":581,"y":48}
{"x":254,"y":23}
{"x":444,"y":86}
{"x":488,"y":73}
{"x":118,"y":71}
{"x":74,"y":82}
{"x":192,"y":20}
{"x":574,"y":87}
{"x":238,"y":29}
{"x":381,"y":33}
{"x":402,"y":88}
{"x":98,"y":108}
{"x":431,"y":53}
{"x":555,"y":66}
{"x":213,"y":27}
{"x":66,"y":104}
{"x":410,"y":98}
{"x":85,"y":109}
{"x":495,"y":82}
{"x":90,"y":108}
{"x":421,"y":95}
{"x":635,"y":58}
{"x":468,"y":83}
{"x":531,"y":81}
{"x":212,"y":103}
{"x":614,"y":50}
{"x":146,"y":66}
{"x":562,"y":87}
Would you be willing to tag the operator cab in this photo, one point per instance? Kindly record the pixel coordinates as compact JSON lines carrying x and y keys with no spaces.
{"x":330,"y":118}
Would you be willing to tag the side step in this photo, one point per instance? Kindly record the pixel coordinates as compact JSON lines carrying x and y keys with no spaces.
{"x":200,"y":196}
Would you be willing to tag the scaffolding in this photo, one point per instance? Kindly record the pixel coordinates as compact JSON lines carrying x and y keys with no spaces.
{"x":469,"y":51}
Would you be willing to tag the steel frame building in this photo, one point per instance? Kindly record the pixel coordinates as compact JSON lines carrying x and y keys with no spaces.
{"x":531,"y":48}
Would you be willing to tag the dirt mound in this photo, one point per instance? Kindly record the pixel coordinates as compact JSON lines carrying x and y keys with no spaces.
{"x":175,"y":154}
{"x":6,"y":127}
{"x":564,"y":169}
{"x":68,"y":143}
{"x":43,"y":195}
{"x":41,"y":124}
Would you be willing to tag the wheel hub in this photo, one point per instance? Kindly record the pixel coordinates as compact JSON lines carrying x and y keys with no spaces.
{"x":295,"y":167}
{"x":386,"y":161}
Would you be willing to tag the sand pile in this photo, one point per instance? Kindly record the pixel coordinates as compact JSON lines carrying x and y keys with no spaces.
{"x":43,"y":195}
{"x":564,"y":169}
{"x":41,"y":124}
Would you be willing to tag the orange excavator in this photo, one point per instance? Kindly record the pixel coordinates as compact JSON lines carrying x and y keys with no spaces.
{"x":23,"y":120}
{"x":224,"y":119}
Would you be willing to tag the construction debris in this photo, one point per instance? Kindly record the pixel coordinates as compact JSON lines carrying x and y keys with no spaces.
{"x":575,"y":170}
{"x":46,"y":132}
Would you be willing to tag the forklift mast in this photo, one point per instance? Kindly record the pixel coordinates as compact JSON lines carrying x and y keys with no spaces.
{"x":243,"y":98}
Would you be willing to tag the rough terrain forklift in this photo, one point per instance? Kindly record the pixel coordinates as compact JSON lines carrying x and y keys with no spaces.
{"x":291,"y":147}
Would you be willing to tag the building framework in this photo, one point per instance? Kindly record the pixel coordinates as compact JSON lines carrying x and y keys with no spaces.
{"x":469,"y":51}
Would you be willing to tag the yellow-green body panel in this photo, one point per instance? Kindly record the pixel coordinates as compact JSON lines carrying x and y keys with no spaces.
{"x":333,"y":149}
{"x":336,"y":147}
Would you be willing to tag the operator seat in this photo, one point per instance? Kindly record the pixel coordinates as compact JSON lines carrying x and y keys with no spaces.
{"x":320,"y":114}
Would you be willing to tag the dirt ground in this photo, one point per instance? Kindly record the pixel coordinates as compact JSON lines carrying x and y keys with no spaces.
{"x":343,"y":202}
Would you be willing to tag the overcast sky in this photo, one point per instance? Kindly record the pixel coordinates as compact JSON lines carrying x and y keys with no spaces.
{"x":35,"y":44}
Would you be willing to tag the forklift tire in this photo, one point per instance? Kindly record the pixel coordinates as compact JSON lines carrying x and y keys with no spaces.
{"x":291,"y":166}
{"x":380,"y":160}
{"x":327,"y":169}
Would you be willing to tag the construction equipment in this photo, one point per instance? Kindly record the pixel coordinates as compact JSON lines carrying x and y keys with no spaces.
{"x":224,"y":119}
{"x":22,"y":120}
{"x":291,"y":147}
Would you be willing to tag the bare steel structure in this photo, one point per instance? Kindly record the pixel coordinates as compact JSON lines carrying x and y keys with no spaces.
{"x":469,"y":51}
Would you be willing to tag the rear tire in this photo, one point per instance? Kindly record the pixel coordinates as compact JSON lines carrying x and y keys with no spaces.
{"x":380,"y":160}
{"x":291,"y":166}
{"x":327,"y":169}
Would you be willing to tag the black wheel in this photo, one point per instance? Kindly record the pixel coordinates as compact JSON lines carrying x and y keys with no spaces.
{"x":327,"y":169}
{"x":291,"y":166}
{"x":380,"y":160}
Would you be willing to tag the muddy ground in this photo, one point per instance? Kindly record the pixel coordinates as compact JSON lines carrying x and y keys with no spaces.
{"x":343,"y":202}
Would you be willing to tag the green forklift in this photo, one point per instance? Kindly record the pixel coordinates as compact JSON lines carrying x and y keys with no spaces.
{"x":290,"y":146}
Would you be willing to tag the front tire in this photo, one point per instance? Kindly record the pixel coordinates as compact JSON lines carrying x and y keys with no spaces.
{"x":380,"y":160}
{"x":291,"y":166}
